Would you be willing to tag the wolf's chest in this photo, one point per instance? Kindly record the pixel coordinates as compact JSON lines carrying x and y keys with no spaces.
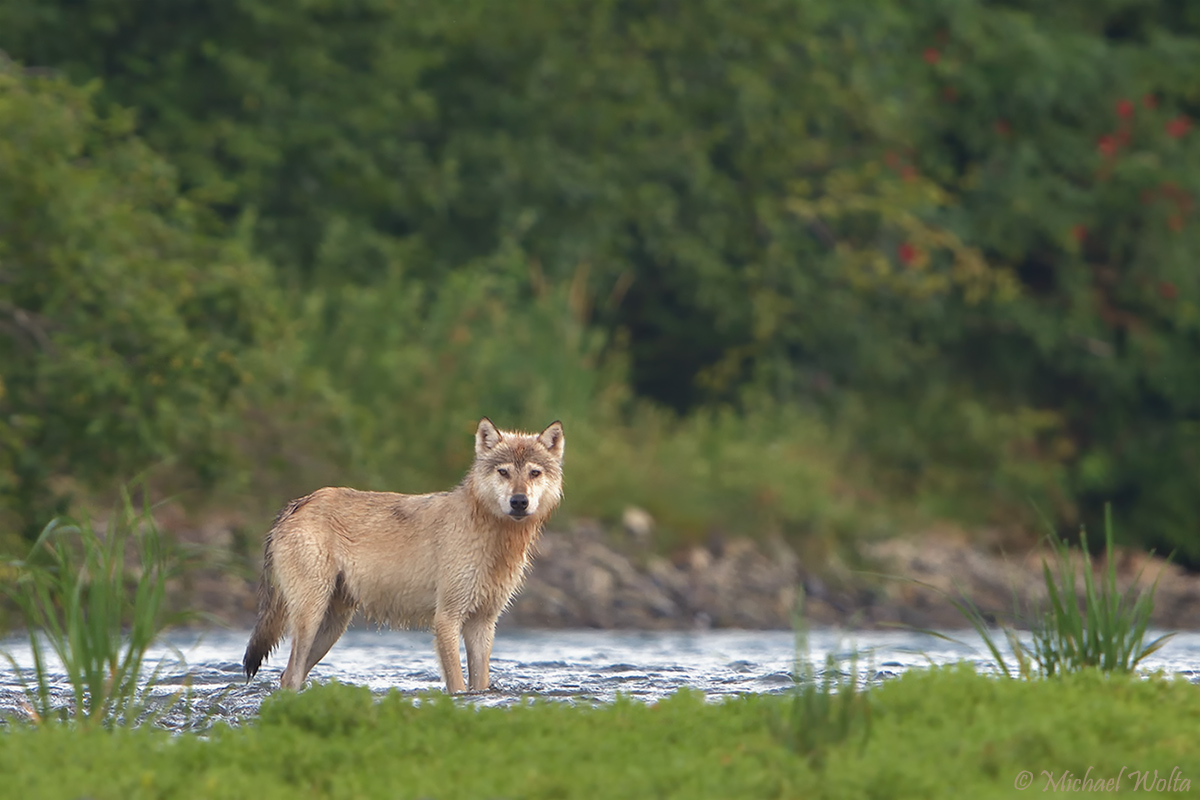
{"x":499,"y":577}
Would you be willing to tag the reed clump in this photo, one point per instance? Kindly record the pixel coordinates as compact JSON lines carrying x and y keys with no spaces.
{"x":92,"y":604}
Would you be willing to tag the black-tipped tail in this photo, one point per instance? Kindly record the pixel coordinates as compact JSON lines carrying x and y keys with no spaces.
{"x":267,"y":631}
{"x":272,"y":617}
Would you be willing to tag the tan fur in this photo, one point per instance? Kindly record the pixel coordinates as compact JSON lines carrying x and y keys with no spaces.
{"x":451,"y":561}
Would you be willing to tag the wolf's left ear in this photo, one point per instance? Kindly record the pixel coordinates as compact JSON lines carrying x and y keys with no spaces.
{"x":552,"y":438}
{"x":486,"y":436}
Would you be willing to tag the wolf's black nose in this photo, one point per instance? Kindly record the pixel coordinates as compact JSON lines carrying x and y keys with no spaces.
{"x":519,"y":503}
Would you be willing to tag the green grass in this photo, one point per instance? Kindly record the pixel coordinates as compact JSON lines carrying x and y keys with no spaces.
{"x":95,"y":603}
{"x":946,"y":732}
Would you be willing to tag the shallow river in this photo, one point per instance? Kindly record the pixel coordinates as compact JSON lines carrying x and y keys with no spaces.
{"x":574,"y":666}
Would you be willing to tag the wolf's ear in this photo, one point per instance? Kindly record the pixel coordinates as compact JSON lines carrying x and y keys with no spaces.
{"x":486,"y":436}
{"x":552,"y":438}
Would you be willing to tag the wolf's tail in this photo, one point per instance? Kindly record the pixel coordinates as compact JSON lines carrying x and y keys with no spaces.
{"x":272,"y":616}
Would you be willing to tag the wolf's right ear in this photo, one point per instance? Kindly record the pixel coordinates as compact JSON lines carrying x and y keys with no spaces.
{"x":486,"y":436}
{"x":552,"y":439}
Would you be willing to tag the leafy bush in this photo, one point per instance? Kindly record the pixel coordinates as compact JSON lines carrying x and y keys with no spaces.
{"x":1064,"y":137}
{"x":127,"y":329}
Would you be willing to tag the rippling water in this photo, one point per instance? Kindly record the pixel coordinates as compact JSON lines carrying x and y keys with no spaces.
{"x":574,"y":666}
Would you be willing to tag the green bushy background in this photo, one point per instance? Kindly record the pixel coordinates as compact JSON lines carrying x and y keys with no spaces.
{"x":795,"y":266}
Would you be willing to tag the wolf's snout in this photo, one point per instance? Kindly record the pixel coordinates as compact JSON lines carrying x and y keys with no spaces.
{"x":519,"y":503}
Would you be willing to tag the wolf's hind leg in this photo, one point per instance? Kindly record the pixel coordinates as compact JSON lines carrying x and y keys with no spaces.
{"x":306,"y":619}
{"x":337,"y":618}
{"x":479,"y":632}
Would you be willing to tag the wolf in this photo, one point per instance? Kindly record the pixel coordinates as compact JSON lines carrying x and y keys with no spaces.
{"x":451,"y":560}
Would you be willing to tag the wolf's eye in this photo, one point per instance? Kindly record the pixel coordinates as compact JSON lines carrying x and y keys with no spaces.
{"x":533,"y":473}
{"x":503,"y":472}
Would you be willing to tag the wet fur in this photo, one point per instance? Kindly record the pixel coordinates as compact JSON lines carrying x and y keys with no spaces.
{"x":451,"y":561}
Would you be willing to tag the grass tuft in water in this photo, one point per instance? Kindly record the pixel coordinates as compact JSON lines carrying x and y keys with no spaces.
{"x":827,"y":706}
{"x":1105,"y":629}
{"x":95,"y":603}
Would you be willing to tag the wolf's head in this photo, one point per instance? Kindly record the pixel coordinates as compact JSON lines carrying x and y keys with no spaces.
{"x":518,"y":475}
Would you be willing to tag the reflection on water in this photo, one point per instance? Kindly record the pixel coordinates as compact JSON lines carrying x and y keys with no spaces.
{"x":573,"y":666}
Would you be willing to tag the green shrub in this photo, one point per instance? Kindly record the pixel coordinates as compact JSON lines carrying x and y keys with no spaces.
{"x":127,"y":330}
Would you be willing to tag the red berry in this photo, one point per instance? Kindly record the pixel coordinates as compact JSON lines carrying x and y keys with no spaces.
{"x":1107,"y":145}
{"x":1178,"y":127}
{"x":931,"y":55}
{"x":906,"y":253}
{"x":1125,"y":108}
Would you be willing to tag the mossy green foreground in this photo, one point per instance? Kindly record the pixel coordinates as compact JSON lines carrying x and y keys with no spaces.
{"x":947,"y":732}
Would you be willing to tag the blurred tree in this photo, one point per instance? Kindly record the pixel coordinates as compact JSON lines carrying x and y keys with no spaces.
{"x":1064,"y":137}
{"x":124,"y":329}
{"x":964,"y":227}
{"x":654,"y":145}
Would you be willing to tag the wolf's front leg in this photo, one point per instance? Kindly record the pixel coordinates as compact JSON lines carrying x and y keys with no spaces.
{"x":479,"y":632}
{"x":446,"y":630}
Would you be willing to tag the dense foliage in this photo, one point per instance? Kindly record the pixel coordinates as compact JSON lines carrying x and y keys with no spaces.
{"x":939,"y":733}
{"x":960,"y":233}
{"x":123,"y":322}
